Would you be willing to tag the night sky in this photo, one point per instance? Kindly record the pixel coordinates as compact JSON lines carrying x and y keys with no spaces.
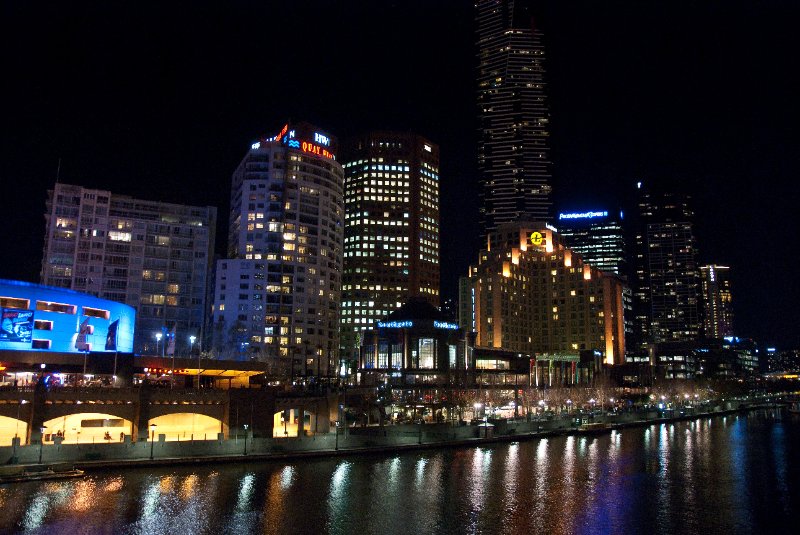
{"x":163,"y":102}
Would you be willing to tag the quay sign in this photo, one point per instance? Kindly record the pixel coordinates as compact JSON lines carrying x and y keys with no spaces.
{"x":444,"y":325}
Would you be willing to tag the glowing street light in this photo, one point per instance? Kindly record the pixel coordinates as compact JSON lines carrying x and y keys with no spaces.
{"x":158,"y":341}
{"x":152,"y":439}
{"x":192,"y":339}
{"x":41,"y":442}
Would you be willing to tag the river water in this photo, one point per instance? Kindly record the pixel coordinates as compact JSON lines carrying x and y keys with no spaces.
{"x":733,"y":474}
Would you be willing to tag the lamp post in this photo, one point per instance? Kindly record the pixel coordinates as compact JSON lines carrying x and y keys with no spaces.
{"x":152,"y":439}
{"x":192,"y":339}
{"x":245,"y":439}
{"x":158,"y":341}
{"x":569,"y":406}
{"x":41,"y":443}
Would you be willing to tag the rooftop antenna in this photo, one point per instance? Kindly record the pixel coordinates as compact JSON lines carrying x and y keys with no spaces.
{"x":58,"y":170}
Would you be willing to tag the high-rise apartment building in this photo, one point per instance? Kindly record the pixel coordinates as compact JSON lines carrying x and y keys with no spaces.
{"x":278,"y":293}
{"x":717,"y":309}
{"x":529,"y":293}
{"x":391,"y":244}
{"x":597,"y":236}
{"x":666,"y":300}
{"x":513,"y":148}
{"x":153,"y":256}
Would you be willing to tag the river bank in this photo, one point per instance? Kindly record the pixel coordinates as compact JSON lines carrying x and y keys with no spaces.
{"x":353,"y":441}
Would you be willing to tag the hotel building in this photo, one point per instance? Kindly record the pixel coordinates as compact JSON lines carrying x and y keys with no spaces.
{"x":529,"y":293}
{"x":391,"y":244}
{"x":151,"y":255}
{"x":278,"y":293}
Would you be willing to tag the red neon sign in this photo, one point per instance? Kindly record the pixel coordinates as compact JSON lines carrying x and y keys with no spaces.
{"x":283,"y":131}
{"x":316,"y":149}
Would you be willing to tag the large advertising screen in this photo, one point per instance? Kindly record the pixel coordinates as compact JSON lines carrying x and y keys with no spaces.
{"x":16,"y":325}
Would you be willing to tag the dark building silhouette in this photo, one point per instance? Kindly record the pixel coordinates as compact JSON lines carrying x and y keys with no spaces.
{"x":513,"y":151}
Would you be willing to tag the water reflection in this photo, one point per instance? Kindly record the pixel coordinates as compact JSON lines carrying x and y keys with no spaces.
{"x":740,"y":475}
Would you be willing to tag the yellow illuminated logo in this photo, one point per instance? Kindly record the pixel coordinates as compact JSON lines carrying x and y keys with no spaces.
{"x":536,"y":238}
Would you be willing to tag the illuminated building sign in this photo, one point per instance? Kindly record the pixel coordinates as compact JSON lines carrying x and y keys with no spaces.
{"x":551,"y":227}
{"x":395,"y":324}
{"x":444,"y":325}
{"x":583,"y":215}
{"x":536,"y":238}
{"x":256,"y":145}
{"x":427,"y":148}
{"x":322,"y":139}
{"x":316,"y":149}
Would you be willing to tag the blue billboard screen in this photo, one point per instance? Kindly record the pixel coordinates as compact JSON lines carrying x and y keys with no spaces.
{"x":16,"y":325}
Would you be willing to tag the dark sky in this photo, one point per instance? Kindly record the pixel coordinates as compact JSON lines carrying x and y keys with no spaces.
{"x":162,"y":102}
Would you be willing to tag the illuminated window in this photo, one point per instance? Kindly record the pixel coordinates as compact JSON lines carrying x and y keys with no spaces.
{"x":61,"y":308}
{"x":96,"y":313}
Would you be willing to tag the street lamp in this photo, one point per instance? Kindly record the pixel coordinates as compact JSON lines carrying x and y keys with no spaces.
{"x":569,"y":406}
{"x":245,"y":439}
{"x":41,"y":443}
{"x":152,"y":439}
{"x":192,"y":339}
{"x":592,"y":401}
{"x":158,"y":341}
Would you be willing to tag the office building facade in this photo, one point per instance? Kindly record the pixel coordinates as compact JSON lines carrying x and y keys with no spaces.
{"x":277,"y":296}
{"x":529,"y":293}
{"x":513,"y":149}
{"x":717,"y":306}
{"x":666,"y":285}
{"x":597,"y":236}
{"x":153,"y":256}
{"x":391,"y":244}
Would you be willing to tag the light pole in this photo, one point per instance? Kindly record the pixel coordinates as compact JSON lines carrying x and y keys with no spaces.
{"x":41,"y":443}
{"x":152,"y":439}
{"x":158,"y":341}
{"x":245,"y":439}
{"x":192,"y":339}
{"x":569,"y":406}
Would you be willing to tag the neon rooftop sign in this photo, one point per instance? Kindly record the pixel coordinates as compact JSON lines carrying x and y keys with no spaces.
{"x":582,"y":215}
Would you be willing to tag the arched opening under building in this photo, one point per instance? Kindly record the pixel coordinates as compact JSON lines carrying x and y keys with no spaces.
{"x":287,"y":423}
{"x":10,"y":428}
{"x":87,"y":428}
{"x":185,"y":426}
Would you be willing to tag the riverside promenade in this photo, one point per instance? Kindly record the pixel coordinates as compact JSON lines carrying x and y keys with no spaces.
{"x":352,"y":440}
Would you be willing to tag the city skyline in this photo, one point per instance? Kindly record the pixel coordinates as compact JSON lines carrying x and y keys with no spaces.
{"x":156,"y":114}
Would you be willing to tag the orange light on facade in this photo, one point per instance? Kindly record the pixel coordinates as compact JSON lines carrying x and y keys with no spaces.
{"x":506,"y":269}
{"x":587,"y":273}
{"x":515,"y":256}
{"x":567,"y":258}
{"x":548,"y":241}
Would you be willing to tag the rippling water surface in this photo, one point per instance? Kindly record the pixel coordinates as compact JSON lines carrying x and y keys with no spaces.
{"x":734,"y":474}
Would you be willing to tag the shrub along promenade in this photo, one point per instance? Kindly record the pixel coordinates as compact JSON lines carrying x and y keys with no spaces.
{"x":353,"y":440}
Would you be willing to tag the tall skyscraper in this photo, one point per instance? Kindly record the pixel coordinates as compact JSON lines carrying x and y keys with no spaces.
{"x":597,"y":236}
{"x":530,"y":294}
{"x":278,"y":293}
{"x":513,"y":150}
{"x":391,"y":245}
{"x":666,"y":274}
{"x":717,"y":309}
{"x":153,"y":256}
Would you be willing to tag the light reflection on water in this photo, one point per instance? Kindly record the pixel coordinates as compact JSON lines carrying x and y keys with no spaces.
{"x":738,"y":475}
